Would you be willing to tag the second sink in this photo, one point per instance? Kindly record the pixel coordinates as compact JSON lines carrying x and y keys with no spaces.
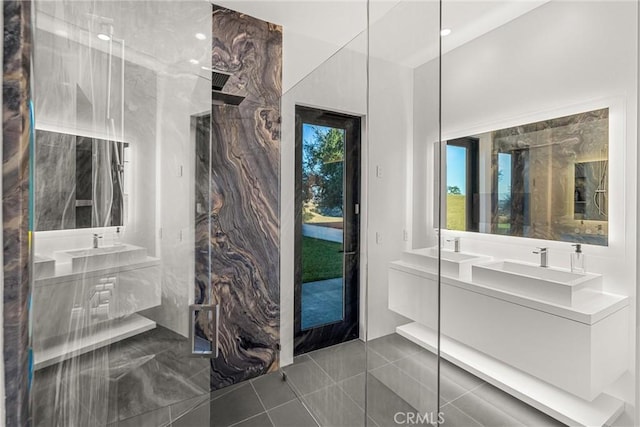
{"x":544,"y":283}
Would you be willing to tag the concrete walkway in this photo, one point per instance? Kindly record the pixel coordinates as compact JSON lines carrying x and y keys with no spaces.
{"x":322,"y":233}
{"x":322,"y":302}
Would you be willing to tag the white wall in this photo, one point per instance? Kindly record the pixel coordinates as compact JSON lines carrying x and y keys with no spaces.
{"x":585,"y":56}
{"x":340,"y":84}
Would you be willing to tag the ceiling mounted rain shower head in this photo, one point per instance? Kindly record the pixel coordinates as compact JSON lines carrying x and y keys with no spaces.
{"x":219,"y":79}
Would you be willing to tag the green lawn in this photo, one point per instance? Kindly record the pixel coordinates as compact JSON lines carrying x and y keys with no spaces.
{"x":320,"y":260}
{"x":455,"y":212}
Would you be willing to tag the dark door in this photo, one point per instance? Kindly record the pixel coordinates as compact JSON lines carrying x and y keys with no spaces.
{"x":327,"y":244}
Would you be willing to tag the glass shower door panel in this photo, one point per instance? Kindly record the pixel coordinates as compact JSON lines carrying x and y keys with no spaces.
{"x":533,"y":186}
{"x":113,"y":209}
{"x":403,"y":294}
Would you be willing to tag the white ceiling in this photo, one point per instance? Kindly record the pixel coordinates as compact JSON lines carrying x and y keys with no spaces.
{"x":404,"y":32}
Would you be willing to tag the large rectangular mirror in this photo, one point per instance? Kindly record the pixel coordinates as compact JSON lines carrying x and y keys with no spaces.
{"x":544,"y":180}
{"x":79,"y":181}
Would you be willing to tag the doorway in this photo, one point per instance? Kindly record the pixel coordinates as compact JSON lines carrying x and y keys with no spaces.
{"x":327,"y":243}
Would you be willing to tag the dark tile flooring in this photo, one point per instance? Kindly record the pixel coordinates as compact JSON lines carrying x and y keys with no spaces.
{"x":150,"y":384}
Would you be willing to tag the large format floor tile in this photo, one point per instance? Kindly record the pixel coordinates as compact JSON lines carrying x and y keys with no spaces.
{"x":332,"y":407}
{"x":292,"y":414}
{"x":493,"y":407}
{"x":393,"y":347}
{"x":273,"y":390}
{"x":306,"y":376}
{"x":346,"y":360}
{"x":143,"y":381}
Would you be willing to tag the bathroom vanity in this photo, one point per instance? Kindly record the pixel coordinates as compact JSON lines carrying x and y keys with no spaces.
{"x":544,"y":335}
{"x":97,"y":293}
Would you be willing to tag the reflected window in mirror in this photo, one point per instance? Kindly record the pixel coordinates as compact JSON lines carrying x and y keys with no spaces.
{"x":462,"y":184}
{"x":545,"y":180}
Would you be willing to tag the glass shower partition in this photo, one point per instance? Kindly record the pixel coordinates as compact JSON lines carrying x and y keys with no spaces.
{"x":114,"y":210}
{"x":403,"y":286}
{"x":538,"y":142}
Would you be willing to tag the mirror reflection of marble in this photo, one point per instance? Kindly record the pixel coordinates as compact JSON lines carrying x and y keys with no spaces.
{"x":79,"y":182}
{"x":544,"y":180}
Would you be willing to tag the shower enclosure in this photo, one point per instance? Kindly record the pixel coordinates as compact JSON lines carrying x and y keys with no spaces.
{"x":166,"y":212}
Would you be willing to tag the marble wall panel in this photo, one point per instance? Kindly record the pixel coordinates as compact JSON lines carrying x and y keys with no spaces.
{"x":544,"y":155}
{"x":55,"y":181}
{"x":237,"y":238}
{"x":16,"y":135}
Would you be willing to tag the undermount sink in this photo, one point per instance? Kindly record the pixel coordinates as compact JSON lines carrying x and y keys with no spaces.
{"x":106,"y":256}
{"x":454,"y":264}
{"x":544,"y":283}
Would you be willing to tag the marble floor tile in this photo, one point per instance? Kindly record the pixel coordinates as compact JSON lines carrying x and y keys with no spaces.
{"x":151,"y":386}
{"x":346,"y":360}
{"x":393,"y":347}
{"x":142,"y":382}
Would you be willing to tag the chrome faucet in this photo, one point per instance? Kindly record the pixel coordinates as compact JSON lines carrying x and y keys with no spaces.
{"x":544,"y":261}
{"x":95,"y":240}
{"x":456,"y":244}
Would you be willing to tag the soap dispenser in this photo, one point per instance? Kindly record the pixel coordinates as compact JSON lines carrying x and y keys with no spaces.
{"x":577,"y":260}
{"x":118,"y":237}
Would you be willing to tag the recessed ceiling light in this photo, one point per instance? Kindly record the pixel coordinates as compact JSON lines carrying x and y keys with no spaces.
{"x":445,"y":32}
{"x":194,"y":61}
{"x":103,"y":36}
{"x":200,"y":36}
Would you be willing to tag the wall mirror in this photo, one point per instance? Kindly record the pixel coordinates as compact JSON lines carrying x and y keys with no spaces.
{"x":79,"y":181}
{"x":545,"y":180}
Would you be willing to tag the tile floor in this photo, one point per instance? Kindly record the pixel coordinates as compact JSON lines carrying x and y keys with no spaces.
{"x":144,"y":382}
{"x":327,"y":388}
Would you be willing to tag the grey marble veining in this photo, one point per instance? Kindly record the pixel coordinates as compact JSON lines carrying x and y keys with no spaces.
{"x":123,"y":380}
{"x":55,"y":181}
{"x":16,"y":133}
{"x":543,"y":187}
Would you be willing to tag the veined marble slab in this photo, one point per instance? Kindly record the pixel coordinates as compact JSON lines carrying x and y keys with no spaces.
{"x":238,"y":224}
{"x":16,"y":134}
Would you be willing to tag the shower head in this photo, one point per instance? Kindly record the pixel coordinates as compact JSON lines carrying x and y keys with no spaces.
{"x":218,"y":79}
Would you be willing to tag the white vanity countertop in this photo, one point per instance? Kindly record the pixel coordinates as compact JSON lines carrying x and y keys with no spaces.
{"x":64,"y":274}
{"x":589,"y":306}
